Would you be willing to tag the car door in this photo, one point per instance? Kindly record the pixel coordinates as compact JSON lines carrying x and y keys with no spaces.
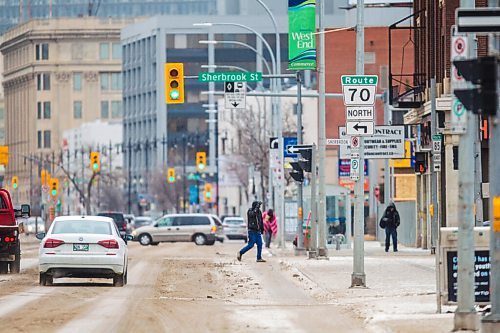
{"x":163,"y":229}
{"x":183,"y":228}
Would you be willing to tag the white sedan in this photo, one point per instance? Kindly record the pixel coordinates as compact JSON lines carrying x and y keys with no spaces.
{"x":83,"y":247}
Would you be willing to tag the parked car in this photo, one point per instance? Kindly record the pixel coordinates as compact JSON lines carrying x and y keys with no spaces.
{"x":202,"y":229}
{"x":235,"y":227}
{"x":33,"y":225}
{"x":119,"y":219}
{"x":141,"y":221}
{"x":83,"y":247}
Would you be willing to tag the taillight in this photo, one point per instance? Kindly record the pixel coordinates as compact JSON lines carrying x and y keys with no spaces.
{"x":214,"y":229}
{"x":9,"y":239}
{"x":109,"y":244}
{"x":52,"y":243}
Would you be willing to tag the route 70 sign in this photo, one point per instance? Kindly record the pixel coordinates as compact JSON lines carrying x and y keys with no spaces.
{"x":359,"y":89}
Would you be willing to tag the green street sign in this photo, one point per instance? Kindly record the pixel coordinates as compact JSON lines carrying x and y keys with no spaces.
{"x":230,"y":77}
{"x":359,"y":80}
{"x":436,"y":137}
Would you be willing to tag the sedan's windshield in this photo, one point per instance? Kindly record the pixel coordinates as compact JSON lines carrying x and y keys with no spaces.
{"x":82,"y":227}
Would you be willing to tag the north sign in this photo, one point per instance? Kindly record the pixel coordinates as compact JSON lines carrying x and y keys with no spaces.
{"x":356,"y":113}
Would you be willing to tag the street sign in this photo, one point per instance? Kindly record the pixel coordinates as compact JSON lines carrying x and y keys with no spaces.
{"x":357,"y":113}
{"x":337,"y":142}
{"x":235,"y":95}
{"x":459,"y":51}
{"x":287,"y":142}
{"x":273,"y":143}
{"x":297,"y":148}
{"x":345,"y":168}
{"x":359,"y":89}
{"x":355,"y":143}
{"x":478,"y":20}
{"x":230,"y":76}
{"x":360,"y":128}
{"x":354,"y":171}
{"x":436,"y":144}
{"x":387,"y":142}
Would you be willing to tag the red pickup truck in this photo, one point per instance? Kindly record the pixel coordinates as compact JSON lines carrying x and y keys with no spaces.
{"x":10,"y":246}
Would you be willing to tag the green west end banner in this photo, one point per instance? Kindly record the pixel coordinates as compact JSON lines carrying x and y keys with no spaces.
{"x":301,"y":37}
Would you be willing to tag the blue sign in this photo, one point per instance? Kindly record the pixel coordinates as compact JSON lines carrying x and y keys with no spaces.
{"x":345,"y":167}
{"x":194,"y":195}
{"x":287,"y":142}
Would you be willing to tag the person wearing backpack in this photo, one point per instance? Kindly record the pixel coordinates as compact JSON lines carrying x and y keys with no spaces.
{"x":390,"y":222}
{"x":255,"y":230}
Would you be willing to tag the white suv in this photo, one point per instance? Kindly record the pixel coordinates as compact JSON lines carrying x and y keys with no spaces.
{"x":202,"y":229}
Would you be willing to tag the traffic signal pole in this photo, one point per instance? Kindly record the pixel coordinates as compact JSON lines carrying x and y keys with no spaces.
{"x":358,"y":277}
{"x":300,"y":204}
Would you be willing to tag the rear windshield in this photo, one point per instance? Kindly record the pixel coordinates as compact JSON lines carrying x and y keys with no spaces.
{"x":115,"y":216}
{"x":82,"y":227}
{"x":233,"y":221}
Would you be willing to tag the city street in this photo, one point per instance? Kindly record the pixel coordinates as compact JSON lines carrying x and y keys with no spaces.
{"x":184,"y":287}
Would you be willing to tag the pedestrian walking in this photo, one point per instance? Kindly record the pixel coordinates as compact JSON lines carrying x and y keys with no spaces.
{"x":390,"y":222}
{"x":270,"y":226}
{"x":255,"y":230}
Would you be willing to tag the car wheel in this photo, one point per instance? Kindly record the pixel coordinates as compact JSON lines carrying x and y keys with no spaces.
{"x":145,"y":239}
{"x":119,"y":280}
{"x":155,"y":243}
{"x":4,"y":267}
{"x":46,"y":280}
{"x":200,"y":239}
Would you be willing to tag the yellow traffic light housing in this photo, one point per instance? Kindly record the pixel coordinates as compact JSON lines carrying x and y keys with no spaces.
{"x":208,"y":192}
{"x":54,"y":186}
{"x":171,"y":175}
{"x":15,"y":182}
{"x":201,"y":161}
{"x":174,"y":83}
{"x":95,"y":161}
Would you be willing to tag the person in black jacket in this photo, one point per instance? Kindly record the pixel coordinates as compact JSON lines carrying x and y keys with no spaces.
{"x":255,"y":230}
{"x":390,"y":222}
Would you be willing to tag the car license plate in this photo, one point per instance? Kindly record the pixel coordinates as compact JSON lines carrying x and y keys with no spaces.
{"x":80,"y":247}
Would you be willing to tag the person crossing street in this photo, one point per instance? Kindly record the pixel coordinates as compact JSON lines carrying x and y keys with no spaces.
{"x":255,"y":230}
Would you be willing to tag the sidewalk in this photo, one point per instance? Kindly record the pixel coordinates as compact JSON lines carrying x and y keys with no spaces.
{"x":401,"y":287}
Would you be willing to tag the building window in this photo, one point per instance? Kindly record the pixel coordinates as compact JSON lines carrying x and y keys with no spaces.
{"x":116,"y":109}
{"x":116,"y":81}
{"x":104,"y":81}
{"x":104,"y":51}
{"x":117,"y":51}
{"x":77,"y":81}
{"x":46,"y":139}
{"x":104,"y":109}
{"x":39,"y":135}
{"x":39,"y":110}
{"x":77,"y":110}
{"x":43,"y":81}
{"x":46,"y":110}
{"x":42,"y":51}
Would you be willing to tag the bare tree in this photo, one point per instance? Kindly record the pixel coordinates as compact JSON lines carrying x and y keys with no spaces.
{"x":167,"y":195}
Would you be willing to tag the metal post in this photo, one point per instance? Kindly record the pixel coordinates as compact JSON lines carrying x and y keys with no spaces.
{"x":387,"y":167}
{"x":300,"y":205}
{"x":184,"y":175}
{"x":314,"y":213}
{"x":211,"y":105}
{"x":465,"y":315}
{"x":129,"y":190}
{"x":491,"y":323}
{"x":435,"y":224}
{"x":358,"y":277}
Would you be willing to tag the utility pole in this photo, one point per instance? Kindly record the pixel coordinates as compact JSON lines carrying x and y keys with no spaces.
{"x":465,"y":315}
{"x":313,"y":253}
{"x":358,"y":277}
{"x":491,"y":323}
{"x":300,"y":205}
{"x":387,"y":166}
{"x":322,"y":251}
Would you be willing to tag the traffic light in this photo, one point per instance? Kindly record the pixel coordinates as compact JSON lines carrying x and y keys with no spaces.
{"x":420,"y":163}
{"x":305,"y":161}
{"x":297,"y":173}
{"x":15,"y":182}
{"x":482,"y":72}
{"x":303,"y":164}
{"x":174,"y":83}
{"x":208,"y":192}
{"x":201,"y":161}
{"x":95,"y":161}
{"x":54,"y":186}
{"x":171,"y":175}
{"x":44,"y":177}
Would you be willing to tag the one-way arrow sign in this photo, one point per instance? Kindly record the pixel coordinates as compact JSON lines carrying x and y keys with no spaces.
{"x":360,"y":128}
{"x":297,"y":148}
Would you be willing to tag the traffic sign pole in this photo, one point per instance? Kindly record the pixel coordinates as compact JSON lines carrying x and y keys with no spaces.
{"x":300,"y":209}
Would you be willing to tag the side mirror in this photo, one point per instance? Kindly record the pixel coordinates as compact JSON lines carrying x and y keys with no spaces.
{"x":129,"y":237}
{"x":40,"y":235}
{"x":155,"y":225}
{"x":25,"y":210}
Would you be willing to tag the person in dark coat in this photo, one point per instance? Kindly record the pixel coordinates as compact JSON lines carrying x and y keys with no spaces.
{"x":255,"y":230}
{"x":390,"y":222}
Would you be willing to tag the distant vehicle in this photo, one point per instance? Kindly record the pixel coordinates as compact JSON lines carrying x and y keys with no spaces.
{"x":10,"y":245}
{"x":119,"y":219}
{"x":235,"y":227}
{"x":141,"y":221}
{"x":83,"y":247}
{"x":202,"y":229}
{"x":33,"y":225}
